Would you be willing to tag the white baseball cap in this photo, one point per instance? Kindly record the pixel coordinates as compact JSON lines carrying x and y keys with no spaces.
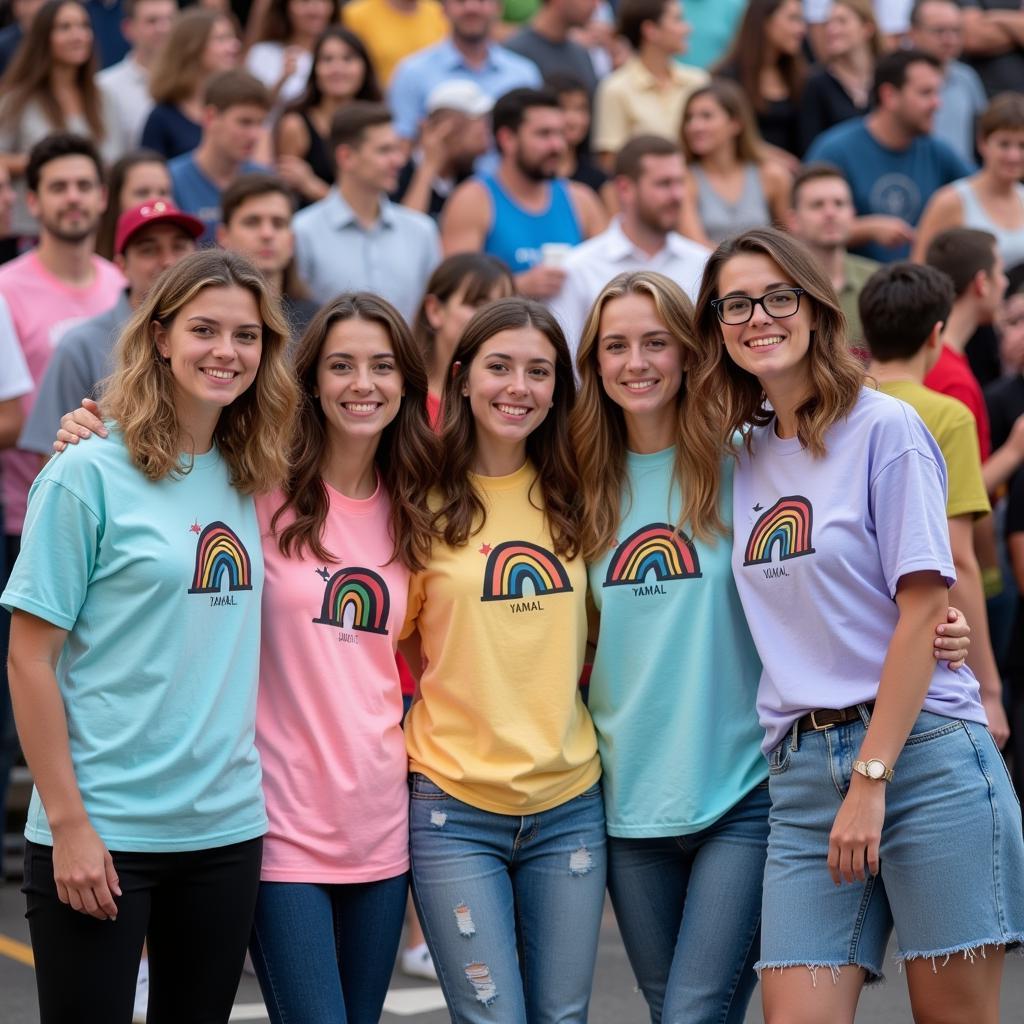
{"x":461,"y":95}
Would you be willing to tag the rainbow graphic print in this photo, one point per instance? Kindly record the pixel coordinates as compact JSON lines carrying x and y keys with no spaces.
{"x":514,"y":563}
{"x":657,"y":548}
{"x":220,"y":553}
{"x":785,"y":526}
{"x":364,"y":592}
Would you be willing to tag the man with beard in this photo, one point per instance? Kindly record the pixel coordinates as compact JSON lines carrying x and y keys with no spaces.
{"x":650,"y":184}
{"x":453,"y":135}
{"x":47,"y":291}
{"x":524,"y":214}
{"x":467,"y":53}
{"x":821,"y":217}
{"x":890,"y":159}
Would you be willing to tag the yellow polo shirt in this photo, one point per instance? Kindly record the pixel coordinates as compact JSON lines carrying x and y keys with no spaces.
{"x":631,"y":101}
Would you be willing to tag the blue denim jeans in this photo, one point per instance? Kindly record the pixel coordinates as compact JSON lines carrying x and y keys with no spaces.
{"x":511,"y":906}
{"x":689,"y":910}
{"x":324,"y":953}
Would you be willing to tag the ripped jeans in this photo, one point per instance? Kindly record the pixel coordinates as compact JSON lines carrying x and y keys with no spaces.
{"x":511,"y":906}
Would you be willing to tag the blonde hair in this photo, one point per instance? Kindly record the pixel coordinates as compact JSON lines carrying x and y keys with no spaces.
{"x":733,"y":397}
{"x":178,"y":71}
{"x":598,"y":427}
{"x":253,"y":432}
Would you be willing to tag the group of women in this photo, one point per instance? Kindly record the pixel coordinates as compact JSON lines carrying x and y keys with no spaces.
{"x":753,"y":542}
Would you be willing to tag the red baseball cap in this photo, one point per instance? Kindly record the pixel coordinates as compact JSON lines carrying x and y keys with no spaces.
{"x":153,"y":211}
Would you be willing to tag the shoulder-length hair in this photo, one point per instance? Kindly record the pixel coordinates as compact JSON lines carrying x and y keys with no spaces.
{"x":252,"y":432}
{"x":598,"y":426}
{"x":461,"y":512}
{"x":312,"y":96}
{"x":475,"y":272}
{"x":407,"y":452}
{"x":178,"y":70}
{"x":729,"y":96}
{"x":865,"y":10}
{"x":746,"y":55}
{"x":29,"y":77}
{"x":735,"y":396}
{"x":276,"y":24}
{"x":116,"y":177}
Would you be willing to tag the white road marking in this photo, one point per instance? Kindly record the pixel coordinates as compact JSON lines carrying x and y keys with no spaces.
{"x":248,"y":1011}
{"x":407,"y":1002}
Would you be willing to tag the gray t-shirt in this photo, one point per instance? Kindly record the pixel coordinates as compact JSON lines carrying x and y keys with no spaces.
{"x":78,"y":364}
{"x":963,"y":99}
{"x":567,"y":57}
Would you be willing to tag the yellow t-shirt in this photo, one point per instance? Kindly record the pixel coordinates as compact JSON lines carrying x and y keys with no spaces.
{"x":952,"y":425}
{"x":390,"y":34}
{"x":499,"y":723}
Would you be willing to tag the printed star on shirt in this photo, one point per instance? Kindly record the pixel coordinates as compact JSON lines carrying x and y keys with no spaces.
{"x":485,"y":549}
{"x":195,"y":527}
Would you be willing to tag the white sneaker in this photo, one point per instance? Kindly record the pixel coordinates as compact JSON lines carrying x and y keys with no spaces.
{"x":417,"y":963}
{"x":141,"y":993}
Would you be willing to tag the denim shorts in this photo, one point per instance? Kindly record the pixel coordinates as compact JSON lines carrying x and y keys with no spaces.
{"x":951,"y":874}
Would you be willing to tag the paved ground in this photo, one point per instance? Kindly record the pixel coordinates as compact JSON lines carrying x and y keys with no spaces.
{"x":614,"y":1001}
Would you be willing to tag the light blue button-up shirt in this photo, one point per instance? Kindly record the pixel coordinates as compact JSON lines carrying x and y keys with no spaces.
{"x":394,"y":258}
{"x":416,"y":76}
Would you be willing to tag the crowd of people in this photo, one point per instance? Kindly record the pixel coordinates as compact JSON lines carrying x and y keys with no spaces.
{"x":510,"y":453}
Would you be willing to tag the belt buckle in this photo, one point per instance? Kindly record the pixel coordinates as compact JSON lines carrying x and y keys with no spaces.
{"x":814,"y":722}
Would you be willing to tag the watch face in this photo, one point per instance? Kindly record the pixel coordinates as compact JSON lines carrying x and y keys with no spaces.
{"x":876,"y":769}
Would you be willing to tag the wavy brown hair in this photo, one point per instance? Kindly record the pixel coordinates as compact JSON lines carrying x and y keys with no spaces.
{"x":730,"y":98}
{"x":407,"y":451}
{"x":29,"y":77}
{"x":178,"y":71}
{"x":735,"y":397}
{"x":252,"y":431}
{"x":461,"y":512}
{"x":598,"y":425}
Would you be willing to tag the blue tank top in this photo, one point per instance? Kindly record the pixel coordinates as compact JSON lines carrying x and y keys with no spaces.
{"x":516,"y":235}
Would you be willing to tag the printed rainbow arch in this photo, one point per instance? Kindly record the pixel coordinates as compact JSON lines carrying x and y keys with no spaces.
{"x":787,"y":525}
{"x":514,"y":562}
{"x":363,"y":591}
{"x":657,"y":548}
{"x":220,"y":553}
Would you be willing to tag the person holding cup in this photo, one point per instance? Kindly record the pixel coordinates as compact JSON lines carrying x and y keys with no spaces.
{"x":524,"y":213}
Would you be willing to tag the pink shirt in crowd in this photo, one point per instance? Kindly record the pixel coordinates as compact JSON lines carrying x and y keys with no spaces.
{"x":329,"y":712}
{"x":43,"y":308}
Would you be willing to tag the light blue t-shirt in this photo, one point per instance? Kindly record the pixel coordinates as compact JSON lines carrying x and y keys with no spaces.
{"x":674,"y":682}
{"x":820,"y":545}
{"x":158,"y":585}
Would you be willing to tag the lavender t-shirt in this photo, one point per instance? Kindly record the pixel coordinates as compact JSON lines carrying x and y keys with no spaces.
{"x":820,"y":546}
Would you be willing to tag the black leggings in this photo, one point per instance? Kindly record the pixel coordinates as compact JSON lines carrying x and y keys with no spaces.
{"x":194,"y":909}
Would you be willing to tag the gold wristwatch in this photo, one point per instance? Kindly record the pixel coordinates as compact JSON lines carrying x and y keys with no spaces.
{"x":873,"y":769}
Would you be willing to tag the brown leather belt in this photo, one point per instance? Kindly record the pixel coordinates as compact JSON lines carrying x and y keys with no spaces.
{"x":825,"y":718}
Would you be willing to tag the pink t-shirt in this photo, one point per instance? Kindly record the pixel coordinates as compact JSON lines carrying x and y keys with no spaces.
{"x":43,"y":308}
{"x":329,"y":711}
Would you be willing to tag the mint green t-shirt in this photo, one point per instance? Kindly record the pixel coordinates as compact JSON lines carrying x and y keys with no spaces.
{"x":675,"y":674}
{"x":158,"y":585}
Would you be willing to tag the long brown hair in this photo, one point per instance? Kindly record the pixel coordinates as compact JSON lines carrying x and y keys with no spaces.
{"x":730,"y":98}
{"x":29,"y":77}
{"x":276,"y":24}
{"x":407,"y":452}
{"x":745,"y":57}
{"x":461,"y":512}
{"x":252,"y":432}
{"x":598,"y":426}
{"x":733,"y":395}
{"x":178,"y":70}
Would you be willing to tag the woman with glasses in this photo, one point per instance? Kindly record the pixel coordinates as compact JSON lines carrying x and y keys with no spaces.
{"x":886,"y":786}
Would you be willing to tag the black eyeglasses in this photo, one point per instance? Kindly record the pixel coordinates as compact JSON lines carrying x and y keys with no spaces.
{"x":738,"y":309}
